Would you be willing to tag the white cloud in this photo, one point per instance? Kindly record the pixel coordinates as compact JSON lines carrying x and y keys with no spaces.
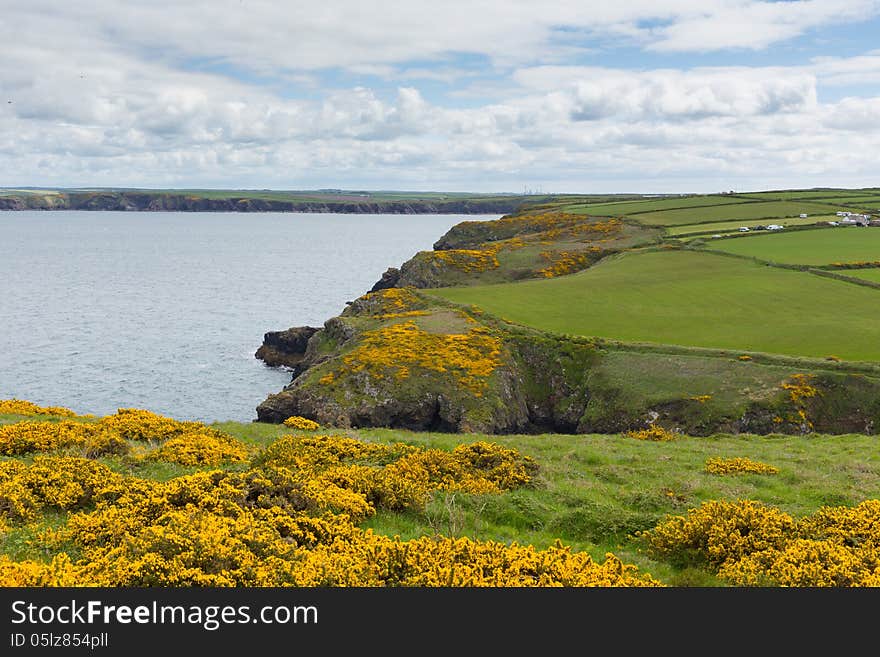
{"x":118,"y":92}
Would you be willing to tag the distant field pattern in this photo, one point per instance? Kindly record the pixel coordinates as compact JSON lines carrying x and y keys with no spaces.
{"x":697,"y":299}
{"x":810,"y":247}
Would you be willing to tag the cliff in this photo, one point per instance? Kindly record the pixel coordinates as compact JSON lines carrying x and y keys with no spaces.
{"x":400,"y":357}
{"x":137,"y":201}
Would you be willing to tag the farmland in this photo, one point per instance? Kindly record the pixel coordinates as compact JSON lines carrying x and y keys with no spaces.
{"x":732,"y":226}
{"x":733,"y":212}
{"x":698,"y":299}
{"x":813,"y":247}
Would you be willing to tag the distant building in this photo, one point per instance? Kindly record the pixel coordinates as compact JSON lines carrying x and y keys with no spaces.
{"x":803,"y":215}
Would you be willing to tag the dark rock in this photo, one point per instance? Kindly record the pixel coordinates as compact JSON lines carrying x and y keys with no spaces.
{"x":285,"y":348}
{"x":389,"y":279}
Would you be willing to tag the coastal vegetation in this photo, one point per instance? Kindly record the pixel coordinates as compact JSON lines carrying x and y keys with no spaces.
{"x":586,"y":392}
{"x":613,"y":316}
{"x":383,"y":507}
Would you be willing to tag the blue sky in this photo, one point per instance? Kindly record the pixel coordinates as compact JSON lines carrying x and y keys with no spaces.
{"x":487,"y":96}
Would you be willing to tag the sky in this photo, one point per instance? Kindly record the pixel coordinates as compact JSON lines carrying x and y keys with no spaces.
{"x":632,"y":96}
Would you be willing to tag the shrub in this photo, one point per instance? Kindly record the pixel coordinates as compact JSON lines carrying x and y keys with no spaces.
{"x":299,"y":422}
{"x":738,"y":465}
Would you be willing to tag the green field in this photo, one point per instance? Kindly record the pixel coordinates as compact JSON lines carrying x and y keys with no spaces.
{"x":650,"y":205}
{"x":733,"y":226}
{"x":808,"y":247}
{"x":697,"y":299}
{"x":860,"y":201}
{"x":734,"y":212}
{"x":788,"y":195}
{"x":872,"y":275}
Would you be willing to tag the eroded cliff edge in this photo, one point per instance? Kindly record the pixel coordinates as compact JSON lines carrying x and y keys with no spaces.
{"x":401,"y":357}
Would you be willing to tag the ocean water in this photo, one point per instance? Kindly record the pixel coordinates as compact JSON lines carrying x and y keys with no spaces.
{"x":164,"y":310}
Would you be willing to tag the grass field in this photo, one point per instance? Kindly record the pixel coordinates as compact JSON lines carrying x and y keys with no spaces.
{"x":698,"y":299}
{"x":787,"y":195}
{"x":650,"y":205}
{"x":809,"y":247}
{"x":872,"y":275}
{"x":733,"y":226}
{"x":733,"y":212}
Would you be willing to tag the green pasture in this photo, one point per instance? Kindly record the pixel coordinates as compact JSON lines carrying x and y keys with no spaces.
{"x":872,"y":275}
{"x":734,"y":212}
{"x":808,"y":247}
{"x":733,"y":226}
{"x":624,"y":208}
{"x":696,"y":299}
{"x":815,"y":194}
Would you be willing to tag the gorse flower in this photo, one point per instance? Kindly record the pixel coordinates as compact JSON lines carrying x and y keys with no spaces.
{"x":288,"y":520}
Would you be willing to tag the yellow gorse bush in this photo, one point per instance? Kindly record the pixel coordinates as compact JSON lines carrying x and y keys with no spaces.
{"x":138,"y":424}
{"x":200,"y":449}
{"x":566,"y":262}
{"x":738,"y":465}
{"x":289,"y":520}
{"x":402,"y":349}
{"x":302,"y":423}
{"x":654,"y":432}
{"x":22,"y":407}
{"x":186,"y":443}
{"x":90,"y":439}
{"x":751,"y":544}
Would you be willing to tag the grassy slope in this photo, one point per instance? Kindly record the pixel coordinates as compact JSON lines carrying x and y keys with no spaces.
{"x":690,"y":298}
{"x":592,"y":492}
{"x":813,"y":247}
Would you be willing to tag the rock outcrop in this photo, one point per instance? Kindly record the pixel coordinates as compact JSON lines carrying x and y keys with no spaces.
{"x":285,"y":348}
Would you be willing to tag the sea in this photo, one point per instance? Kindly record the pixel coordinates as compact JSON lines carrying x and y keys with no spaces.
{"x":164,"y":310}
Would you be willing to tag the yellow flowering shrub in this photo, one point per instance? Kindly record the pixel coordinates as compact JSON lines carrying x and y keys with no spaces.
{"x":288,"y":520}
{"x":319,"y":451}
{"x":738,"y":465}
{"x":566,"y":262}
{"x":302,"y":423}
{"x":22,"y":407}
{"x":720,"y":531}
{"x":467,"y":260}
{"x":200,"y":449}
{"x":399,"y":349}
{"x":751,"y":544}
{"x":654,"y":432}
{"x":390,"y":303}
{"x":138,"y":424}
{"x":809,"y":563}
{"x":28,"y":437}
{"x":800,"y":388}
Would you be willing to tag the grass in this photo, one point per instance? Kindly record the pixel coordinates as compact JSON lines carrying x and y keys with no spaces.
{"x":791,"y":194}
{"x":872,"y":275}
{"x":697,"y":299}
{"x":593,"y":492}
{"x":813,"y":247}
{"x":621,"y":208}
{"x":733,"y":226}
{"x":734,"y":212}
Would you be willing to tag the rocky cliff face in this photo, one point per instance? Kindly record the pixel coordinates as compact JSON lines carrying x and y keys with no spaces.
{"x":285,"y":348}
{"x":147,"y":202}
{"x":399,"y":357}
